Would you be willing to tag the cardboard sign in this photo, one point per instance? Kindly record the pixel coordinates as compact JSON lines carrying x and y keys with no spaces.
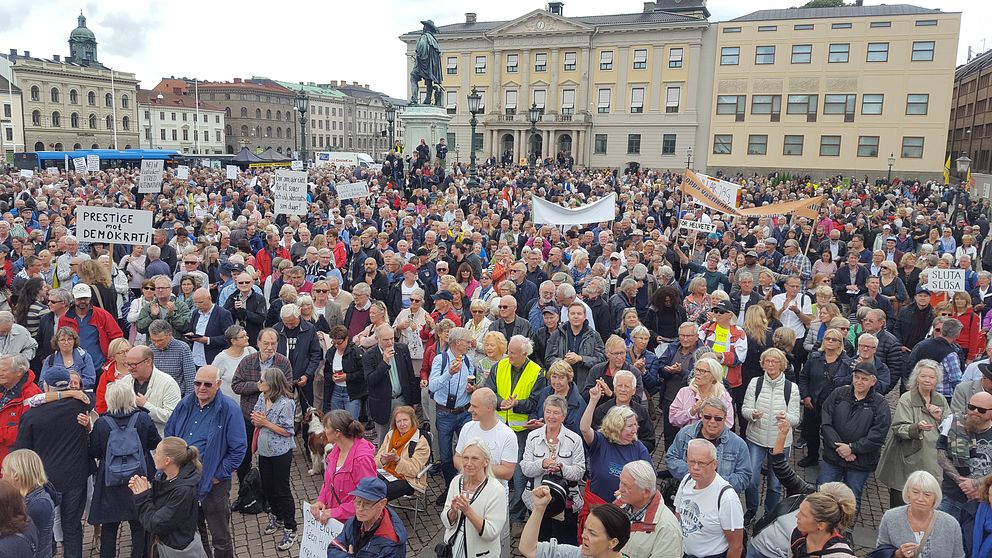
{"x":232,"y":172}
{"x":150,"y":181}
{"x":352,"y":190}
{"x":113,"y":225}
{"x":93,"y":163}
{"x":182,"y":172}
{"x":290,"y":192}
{"x":79,"y":163}
{"x":27,"y":173}
{"x":946,"y":280}
{"x":697,"y":226}
{"x":296,"y":165}
{"x":316,"y":536}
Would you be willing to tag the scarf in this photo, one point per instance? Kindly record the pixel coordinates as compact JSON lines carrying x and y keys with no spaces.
{"x":396,"y":443}
{"x":981,"y":544}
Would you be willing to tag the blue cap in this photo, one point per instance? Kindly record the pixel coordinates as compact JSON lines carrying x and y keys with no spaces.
{"x":372,"y":489}
{"x":56,"y":377}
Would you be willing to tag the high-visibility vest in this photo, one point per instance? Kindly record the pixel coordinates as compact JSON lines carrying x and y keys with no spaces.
{"x":521,"y":391}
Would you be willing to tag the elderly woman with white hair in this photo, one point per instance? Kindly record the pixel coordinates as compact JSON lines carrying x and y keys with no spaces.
{"x":624,"y":395}
{"x":919,"y":529}
{"x":706,"y":382}
{"x":475,"y":508}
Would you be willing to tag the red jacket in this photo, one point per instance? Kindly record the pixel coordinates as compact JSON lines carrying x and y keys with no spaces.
{"x":340,"y":254}
{"x":10,"y":414}
{"x":263,"y":260}
{"x":970,"y":339}
{"x":737,"y":341}
{"x":104,"y":323}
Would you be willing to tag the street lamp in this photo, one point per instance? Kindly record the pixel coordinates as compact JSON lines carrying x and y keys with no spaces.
{"x":391,"y":118}
{"x":533,"y":114}
{"x":892,"y":161}
{"x":688,"y":158}
{"x":474,"y":105}
{"x":963,"y":163}
{"x":302,"y":105}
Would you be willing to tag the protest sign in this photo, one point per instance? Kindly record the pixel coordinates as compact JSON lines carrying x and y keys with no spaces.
{"x":232,"y":172}
{"x":296,"y":165}
{"x":316,"y":536}
{"x":253,"y":182}
{"x":603,"y":209}
{"x":697,"y":226}
{"x":113,"y":225}
{"x":352,"y":190}
{"x":946,"y":280}
{"x":52,"y":171}
{"x":182,"y":172}
{"x":290,"y":192}
{"x":93,"y":163}
{"x":79,"y":163}
{"x":27,"y":173}
{"x":150,"y":181}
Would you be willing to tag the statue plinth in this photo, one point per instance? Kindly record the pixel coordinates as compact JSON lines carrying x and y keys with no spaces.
{"x":424,"y":122}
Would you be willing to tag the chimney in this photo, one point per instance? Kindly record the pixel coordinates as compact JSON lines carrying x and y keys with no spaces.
{"x":470,"y":17}
{"x":334,"y":83}
{"x":237,"y":80}
{"x":859,"y":2}
{"x":556,"y":7}
{"x":354,"y":83}
{"x":366,"y":86}
{"x":13,"y":52}
{"x":649,"y":7}
{"x":55,"y":57}
{"x":27,"y":54}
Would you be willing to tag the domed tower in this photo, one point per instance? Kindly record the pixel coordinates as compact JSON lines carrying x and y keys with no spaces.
{"x":82,"y":44}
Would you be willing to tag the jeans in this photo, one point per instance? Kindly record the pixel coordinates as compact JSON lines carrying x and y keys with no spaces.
{"x":71,"y":515}
{"x":274,"y":473}
{"x":341,"y":400}
{"x":448,"y":426}
{"x":108,"y":539}
{"x":773,"y":492}
{"x":246,"y":463}
{"x":751,"y":552}
{"x":215,"y":521}
{"x":855,"y":480}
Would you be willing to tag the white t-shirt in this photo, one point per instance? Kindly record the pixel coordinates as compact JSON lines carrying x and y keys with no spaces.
{"x":703,"y":520}
{"x":227,"y":366}
{"x":501,"y":441}
{"x":789,"y":318}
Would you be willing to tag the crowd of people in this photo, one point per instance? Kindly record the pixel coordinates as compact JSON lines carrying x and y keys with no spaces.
{"x":625,"y":387}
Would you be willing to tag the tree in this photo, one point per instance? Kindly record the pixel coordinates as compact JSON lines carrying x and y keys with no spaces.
{"x":823,"y":4}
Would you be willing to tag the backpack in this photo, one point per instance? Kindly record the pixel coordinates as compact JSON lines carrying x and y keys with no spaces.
{"x":125,"y":456}
{"x":250,"y":499}
{"x":761,"y":383}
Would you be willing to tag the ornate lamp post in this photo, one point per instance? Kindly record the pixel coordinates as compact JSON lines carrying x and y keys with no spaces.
{"x":474,"y":105}
{"x":963,"y":163}
{"x":302,"y":105}
{"x":533,"y":114}
{"x":390,"y":111}
{"x":892,"y":161}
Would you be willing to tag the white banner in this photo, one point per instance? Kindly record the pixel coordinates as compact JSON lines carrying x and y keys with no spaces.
{"x":352,"y":190}
{"x":151,"y":176}
{"x":601,"y":210}
{"x":113,"y":225}
{"x":727,"y":191}
{"x":232,"y":172}
{"x":52,"y":171}
{"x":79,"y":163}
{"x":296,"y":165}
{"x":93,"y":163}
{"x":182,"y":172}
{"x":316,"y":536}
{"x":697,"y":226}
{"x":290,"y":192}
{"x":27,"y":173}
{"x":946,"y":280}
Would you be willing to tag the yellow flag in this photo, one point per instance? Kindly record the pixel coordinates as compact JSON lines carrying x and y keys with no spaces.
{"x":947,"y":170}
{"x":971,"y":182}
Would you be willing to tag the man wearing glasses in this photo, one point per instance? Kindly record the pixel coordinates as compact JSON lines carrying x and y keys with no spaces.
{"x":375,"y":530}
{"x":734,"y":462}
{"x":155,"y":391}
{"x":965,"y":455}
{"x":705,"y":498}
{"x":247,"y":306}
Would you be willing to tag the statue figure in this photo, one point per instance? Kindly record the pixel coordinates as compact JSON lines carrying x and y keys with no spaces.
{"x":427,"y":66}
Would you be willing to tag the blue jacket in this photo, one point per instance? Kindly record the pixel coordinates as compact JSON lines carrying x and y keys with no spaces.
{"x":388,"y":541}
{"x":226,"y":447}
{"x":576,"y":405}
{"x":732,"y":456}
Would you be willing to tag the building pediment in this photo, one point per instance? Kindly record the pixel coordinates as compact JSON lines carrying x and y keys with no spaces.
{"x":569,"y":83}
{"x":511,"y":84}
{"x":538,"y":22}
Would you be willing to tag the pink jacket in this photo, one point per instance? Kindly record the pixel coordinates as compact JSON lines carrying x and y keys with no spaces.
{"x":334,"y":493}
{"x":678,"y":413}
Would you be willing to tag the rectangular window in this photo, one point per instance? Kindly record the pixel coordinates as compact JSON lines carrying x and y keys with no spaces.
{"x":7,"y":111}
{"x":640,"y":58}
{"x":917,"y":103}
{"x":673,"y":96}
{"x":926,"y":23}
{"x":540,"y":97}
{"x":802,"y":54}
{"x":730,"y":56}
{"x":838,"y":104}
{"x":451,"y":101}
{"x":766,"y":104}
{"x":570,"y":61}
{"x":175,"y":135}
{"x":840,"y":53}
{"x":731,"y":104}
{"x":541,"y":62}
{"x":637,"y":100}
{"x":840,"y":25}
{"x":148,"y":134}
{"x":606,"y":60}
{"x":162,"y":133}
{"x":452,"y":65}
{"x":723,"y":144}
{"x":922,"y":51}
{"x":603,"y":103}
{"x":912,"y":148}
{"x":764,"y":54}
{"x":511,"y":101}
{"x":757,"y":144}
{"x":511,"y":63}
{"x":185,"y":134}
{"x":600,"y":144}
{"x":482,"y":101}
{"x":878,"y":52}
{"x":731,"y":29}
{"x":868,"y":146}
{"x":675,"y":58}
{"x":668,"y":144}
{"x":802,"y":27}
{"x":872,"y":103}
{"x":9,"y":134}
{"x":633,"y":144}
{"x":829,"y":146}
{"x":879,"y":24}
{"x":792,"y":145}
{"x":480,"y":64}
{"x":568,"y":101}
{"x":767,"y":28}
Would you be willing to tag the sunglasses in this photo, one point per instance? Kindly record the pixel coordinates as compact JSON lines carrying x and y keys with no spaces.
{"x":503,"y":307}
{"x":320,"y":290}
{"x":244,"y":282}
{"x":148,"y":288}
{"x":714,"y":418}
{"x":203,"y":384}
{"x":977,"y":409}
{"x":416,"y":300}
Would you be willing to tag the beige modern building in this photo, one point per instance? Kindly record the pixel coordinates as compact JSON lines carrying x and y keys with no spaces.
{"x":172,"y":119}
{"x":613,"y":88}
{"x":75,"y":102}
{"x":833,"y":90}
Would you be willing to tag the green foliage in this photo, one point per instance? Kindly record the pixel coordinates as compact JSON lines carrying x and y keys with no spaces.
{"x":823,"y":4}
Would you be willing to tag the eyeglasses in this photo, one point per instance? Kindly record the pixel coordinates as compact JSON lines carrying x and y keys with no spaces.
{"x":834,"y":339}
{"x":416,"y":300}
{"x":478,"y":311}
{"x":694,"y":463}
{"x":944,"y":314}
{"x":163,"y":288}
{"x":320,"y":290}
{"x":713,"y":418}
{"x":865,"y":346}
{"x":133,"y":364}
{"x":977,"y":409}
{"x":503,"y":307}
{"x":190,"y":263}
{"x":207,"y":385}
{"x":340,"y":339}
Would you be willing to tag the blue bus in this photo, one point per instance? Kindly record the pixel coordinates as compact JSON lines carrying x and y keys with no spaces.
{"x":109,"y":158}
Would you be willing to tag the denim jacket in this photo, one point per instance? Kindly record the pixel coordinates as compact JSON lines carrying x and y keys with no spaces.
{"x":734,"y":462}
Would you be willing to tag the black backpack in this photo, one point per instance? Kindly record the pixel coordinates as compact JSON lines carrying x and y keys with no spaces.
{"x":761,"y":383}
{"x":250,"y":500}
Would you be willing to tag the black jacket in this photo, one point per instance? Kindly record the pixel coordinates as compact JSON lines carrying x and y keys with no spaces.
{"x":251,"y":317}
{"x":934,"y":348}
{"x":379,"y":286}
{"x":816,"y":379}
{"x":913,"y":325}
{"x":394,"y":297}
{"x":305,"y":357}
{"x":220,"y":320}
{"x":520,"y":326}
{"x":52,"y":432}
{"x":169,"y":509}
{"x":113,"y":504}
{"x":735,"y":301}
{"x":379,"y":386}
{"x":602,"y":317}
{"x":842,"y":278}
{"x":351,"y":364}
{"x":890,"y":352}
{"x":862,"y":424}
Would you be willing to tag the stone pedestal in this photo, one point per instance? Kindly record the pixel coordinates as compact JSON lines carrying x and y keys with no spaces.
{"x":421,"y":122}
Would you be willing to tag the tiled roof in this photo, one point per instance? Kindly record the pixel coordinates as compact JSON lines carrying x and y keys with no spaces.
{"x":596,"y":21}
{"x":146,"y":96}
{"x":844,"y":11}
{"x":245,"y":84}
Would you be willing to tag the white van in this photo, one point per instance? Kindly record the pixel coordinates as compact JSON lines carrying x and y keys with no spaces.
{"x":325,"y":158}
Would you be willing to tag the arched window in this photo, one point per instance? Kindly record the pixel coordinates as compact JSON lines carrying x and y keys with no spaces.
{"x":76,"y":146}
{"x":56,"y":119}
{"x":279,"y":149}
{"x":268,"y":131}
{"x":244,"y":112}
{"x":258,"y":131}
{"x":279,"y":133}
{"x":91,"y":99}
{"x":39,"y":146}
{"x":93,"y":122}
{"x":258,"y":114}
{"x":58,"y":147}
{"x":227,"y":129}
{"x":125,"y":101}
{"x":73,"y":97}
{"x":278,"y":115}
{"x":244,"y":131}
{"x":36,"y":120}
{"x":227,"y":112}
{"x":128,"y":146}
{"x":268,"y":114}
{"x":289,"y":133}
{"x":110,"y":122}
{"x":109,"y":100}
{"x":74,"y":120}
{"x":55,"y":94}
{"x":94,"y":146}
{"x":126,"y":123}
{"x":36,"y":96}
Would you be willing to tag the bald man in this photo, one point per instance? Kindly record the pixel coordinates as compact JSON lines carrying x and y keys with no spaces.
{"x":965,"y":455}
{"x":206,"y":328}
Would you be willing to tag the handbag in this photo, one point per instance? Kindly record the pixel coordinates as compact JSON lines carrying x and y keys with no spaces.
{"x":193,"y":550}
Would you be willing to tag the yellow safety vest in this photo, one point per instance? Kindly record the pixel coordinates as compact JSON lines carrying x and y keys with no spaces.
{"x":521,"y":391}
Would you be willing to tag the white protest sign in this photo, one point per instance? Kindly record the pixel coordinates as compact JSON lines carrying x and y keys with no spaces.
{"x":296,"y":165}
{"x":352,"y":190}
{"x":946,"y":280}
{"x":253,"y":182}
{"x":182,"y":172}
{"x":113,"y":225}
{"x":151,"y":176}
{"x":290,"y":192}
{"x":696,"y":226}
{"x":316,"y":536}
{"x":93,"y":163}
{"x":52,"y":171}
{"x":232,"y":172}
{"x":27,"y":173}
{"x":726,"y":191}
{"x":79,"y":163}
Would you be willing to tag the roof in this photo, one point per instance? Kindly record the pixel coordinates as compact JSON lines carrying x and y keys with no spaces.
{"x":310,"y":88}
{"x":244,"y":84}
{"x":149,"y":97}
{"x":4,"y":84}
{"x":596,"y":20}
{"x":843,"y":11}
{"x":82,"y":32}
{"x":65,"y":61}
{"x":981,"y":62}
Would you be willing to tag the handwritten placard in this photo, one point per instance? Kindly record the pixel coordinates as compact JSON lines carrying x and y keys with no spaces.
{"x":79,"y":163}
{"x":290,"y":192}
{"x":316,"y":536}
{"x":182,"y":172}
{"x":232,"y":172}
{"x":93,"y":163}
{"x":151,"y":176}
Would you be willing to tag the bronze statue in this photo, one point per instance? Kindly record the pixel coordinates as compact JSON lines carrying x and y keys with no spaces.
{"x":427,"y":67}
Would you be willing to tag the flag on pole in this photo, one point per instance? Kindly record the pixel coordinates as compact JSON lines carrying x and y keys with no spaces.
{"x":971,"y":182}
{"x":947,"y":170}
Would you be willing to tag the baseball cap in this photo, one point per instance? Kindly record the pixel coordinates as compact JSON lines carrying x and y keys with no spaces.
{"x":724,"y":306}
{"x":922,"y":289}
{"x":550,"y":308}
{"x":615,"y":256}
{"x":82,"y":290}
{"x":409,"y":268}
{"x":865,"y":368}
{"x":370,"y":488}
{"x":443,"y":295}
{"x":751,"y":254}
{"x":56,"y":377}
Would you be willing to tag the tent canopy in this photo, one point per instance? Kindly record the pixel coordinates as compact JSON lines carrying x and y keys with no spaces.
{"x":246,"y":156}
{"x":272,"y":155}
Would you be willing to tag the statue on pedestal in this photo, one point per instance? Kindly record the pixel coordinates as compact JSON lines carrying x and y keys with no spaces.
{"x":427,"y":67}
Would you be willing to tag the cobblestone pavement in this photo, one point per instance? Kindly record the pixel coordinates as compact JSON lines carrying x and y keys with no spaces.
{"x":249,"y":540}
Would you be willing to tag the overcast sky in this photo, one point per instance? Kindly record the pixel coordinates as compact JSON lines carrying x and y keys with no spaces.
{"x":296,"y":40}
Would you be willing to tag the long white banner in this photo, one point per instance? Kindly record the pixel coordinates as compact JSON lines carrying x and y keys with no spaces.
{"x":601,"y":210}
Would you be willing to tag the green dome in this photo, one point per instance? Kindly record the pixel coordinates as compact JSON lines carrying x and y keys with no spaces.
{"x":81,"y":32}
